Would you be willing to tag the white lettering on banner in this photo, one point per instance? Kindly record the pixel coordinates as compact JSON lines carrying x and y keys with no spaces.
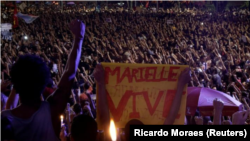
{"x":5,"y":31}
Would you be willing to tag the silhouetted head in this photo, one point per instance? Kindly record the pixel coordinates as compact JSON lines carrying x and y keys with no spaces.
{"x":127,"y":127}
{"x":203,"y":58}
{"x":88,"y":88}
{"x":77,"y":108}
{"x":83,"y":128}
{"x":29,"y":75}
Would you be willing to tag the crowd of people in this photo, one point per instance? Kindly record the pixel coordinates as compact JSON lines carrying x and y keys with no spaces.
{"x":216,"y":46}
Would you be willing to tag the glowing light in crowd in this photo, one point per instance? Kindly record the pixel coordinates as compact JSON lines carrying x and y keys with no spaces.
{"x":25,"y":37}
{"x":61,"y":120}
{"x":112,"y":130}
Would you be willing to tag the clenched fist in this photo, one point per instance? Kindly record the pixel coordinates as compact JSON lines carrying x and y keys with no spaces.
{"x":77,"y":27}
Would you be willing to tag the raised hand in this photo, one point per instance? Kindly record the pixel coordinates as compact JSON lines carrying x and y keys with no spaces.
{"x":240,"y":117}
{"x":185,"y":76}
{"x":77,"y":27}
{"x":198,"y":120}
{"x":99,"y":74}
{"x":218,"y":105}
{"x":210,"y":123}
{"x":183,"y":80}
{"x":63,"y":134}
{"x":4,"y":85}
{"x":227,"y":122}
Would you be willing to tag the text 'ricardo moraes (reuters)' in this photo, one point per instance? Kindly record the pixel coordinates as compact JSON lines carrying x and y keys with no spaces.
{"x":179,"y":133}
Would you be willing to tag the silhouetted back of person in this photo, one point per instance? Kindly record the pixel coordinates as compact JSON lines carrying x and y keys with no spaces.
{"x":127,"y":127}
{"x":35,"y":119}
{"x":31,"y":120}
{"x":83,"y":128}
{"x":5,"y":129}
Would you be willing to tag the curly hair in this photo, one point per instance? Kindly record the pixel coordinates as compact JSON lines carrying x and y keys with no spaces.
{"x":29,"y":75}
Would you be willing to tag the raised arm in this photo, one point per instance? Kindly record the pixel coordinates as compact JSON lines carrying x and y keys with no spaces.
{"x":60,"y":97}
{"x":12,"y":100}
{"x":183,"y":80}
{"x":102,"y":101}
{"x":218,"y":107}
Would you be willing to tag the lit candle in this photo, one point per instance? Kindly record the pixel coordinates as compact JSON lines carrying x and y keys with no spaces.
{"x":61,"y":120}
{"x":112,"y":130}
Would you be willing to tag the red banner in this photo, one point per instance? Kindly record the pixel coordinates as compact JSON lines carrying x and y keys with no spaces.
{"x":147,"y":4}
{"x":15,"y":19}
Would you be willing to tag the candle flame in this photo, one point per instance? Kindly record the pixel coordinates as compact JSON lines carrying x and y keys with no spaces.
{"x":61,"y":117}
{"x":112,"y":130}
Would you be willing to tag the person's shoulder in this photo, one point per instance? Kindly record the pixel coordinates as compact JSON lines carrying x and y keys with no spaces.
{"x":7,"y":131}
{"x":46,"y":104}
{"x":83,"y":96}
{"x":5,"y":113}
{"x":3,"y":120}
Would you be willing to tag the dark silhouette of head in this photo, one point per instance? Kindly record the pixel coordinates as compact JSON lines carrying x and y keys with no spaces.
{"x":29,"y":75}
{"x":77,"y":108}
{"x":86,"y":86}
{"x":83,"y":128}
{"x":127,"y":127}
